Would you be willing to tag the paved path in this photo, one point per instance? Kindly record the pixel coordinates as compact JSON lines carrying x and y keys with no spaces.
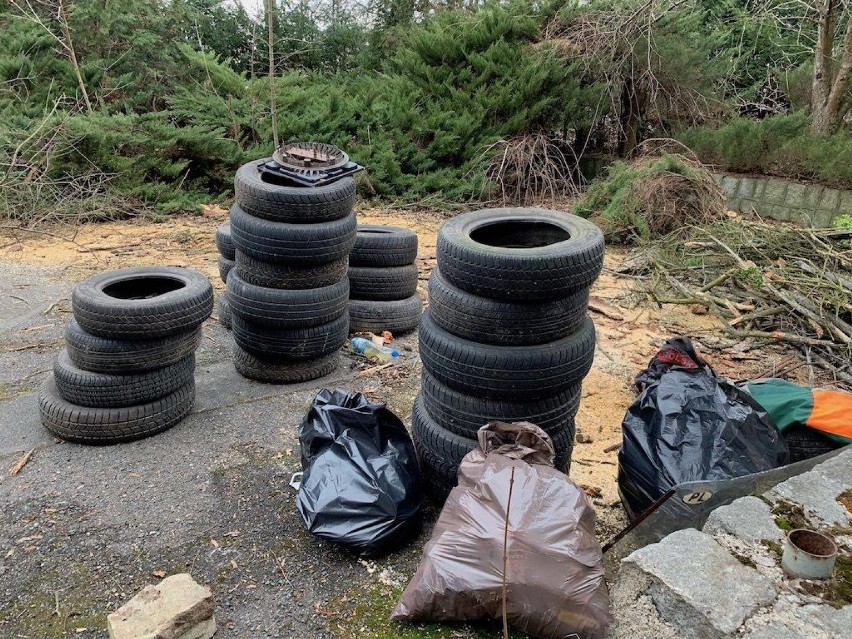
{"x":83,"y":528}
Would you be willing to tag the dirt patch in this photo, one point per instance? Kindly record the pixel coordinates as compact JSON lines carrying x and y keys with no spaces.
{"x":845,"y":499}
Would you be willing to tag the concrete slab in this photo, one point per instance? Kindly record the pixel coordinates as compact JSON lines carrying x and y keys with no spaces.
{"x":697,"y":586}
{"x":748,"y":518}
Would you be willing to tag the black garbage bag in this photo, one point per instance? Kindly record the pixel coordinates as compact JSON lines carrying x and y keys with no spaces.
{"x":688,"y":425}
{"x":361,"y":484}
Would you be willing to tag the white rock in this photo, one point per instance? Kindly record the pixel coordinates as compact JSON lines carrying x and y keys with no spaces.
{"x":176,"y":608}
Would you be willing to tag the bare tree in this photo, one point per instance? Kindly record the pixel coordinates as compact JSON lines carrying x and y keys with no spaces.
{"x":58,"y":12}
{"x":616,"y":45}
{"x":832,"y":63}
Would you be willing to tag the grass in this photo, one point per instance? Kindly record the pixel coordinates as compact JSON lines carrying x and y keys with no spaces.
{"x":652,"y":196}
{"x":368,"y":617}
{"x":36,"y":615}
{"x":837,"y":591}
{"x":789,"y":516}
{"x":773,"y":546}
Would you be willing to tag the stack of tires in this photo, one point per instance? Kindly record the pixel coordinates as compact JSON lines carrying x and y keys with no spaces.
{"x":288,"y":291}
{"x":227,"y":254}
{"x":127,"y":371}
{"x":507,"y":335}
{"x":383,"y":281}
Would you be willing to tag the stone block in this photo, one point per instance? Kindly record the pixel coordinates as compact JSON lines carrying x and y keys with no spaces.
{"x":775,"y":211}
{"x":773,"y":631}
{"x":830,"y":199}
{"x":746,"y":187}
{"x":822,"y":218}
{"x":838,"y":468}
{"x":775,"y":192}
{"x":816,"y":491}
{"x":698,"y":586}
{"x":845,"y":205}
{"x":176,"y":608}
{"x":796,"y":194}
{"x":748,"y":518}
{"x":836,"y":622}
{"x":729,"y":185}
{"x":813,"y":196}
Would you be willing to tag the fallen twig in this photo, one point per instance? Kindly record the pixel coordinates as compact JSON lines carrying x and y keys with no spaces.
{"x":374,"y":369}
{"x":506,"y":554}
{"x":599,"y":306}
{"x":23,"y":461}
{"x":763,"y":281}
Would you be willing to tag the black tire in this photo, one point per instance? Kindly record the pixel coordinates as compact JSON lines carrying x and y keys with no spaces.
{"x":296,"y":204}
{"x":520,"y":254}
{"x":270,"y":275}
{"x":377,"y":245}
{"x":99,"y":390}
{"x":283,"y":371}
{"x":142,"y":302}
{"x":112,"y":425}
{"x":398,"y":316}
{"x":382,"y":284}
{"x":224,"y":243}
{"x":285,"y":243}
{"x":225,"y":313}
{"x":440,"y":451}
{"x":506,"y":372}
{"x":805,"y":443}
{"x":225,"y":267}
{"x":286,"y":308}
{"x":465,"y":414}
{"x":490,"y":321}
{"x":121,"y":357}
{"x":291,"y":343}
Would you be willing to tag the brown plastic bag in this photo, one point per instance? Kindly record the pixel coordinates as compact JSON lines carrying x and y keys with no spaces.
{"x":554,"y":574}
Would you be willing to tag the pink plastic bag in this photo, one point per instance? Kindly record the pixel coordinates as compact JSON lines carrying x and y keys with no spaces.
{"x":554,"y":573}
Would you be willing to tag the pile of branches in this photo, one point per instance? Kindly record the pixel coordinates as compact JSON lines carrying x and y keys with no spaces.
{"x":654,"y":194}
{"x":765,"y":282}
{"x":530,"y":169}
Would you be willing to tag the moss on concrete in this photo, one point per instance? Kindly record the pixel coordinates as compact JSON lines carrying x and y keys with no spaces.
{"x":37,"y":616}
{"x":367,"y":616}
{"x":837,"y":591}
{"x":789,"y":516}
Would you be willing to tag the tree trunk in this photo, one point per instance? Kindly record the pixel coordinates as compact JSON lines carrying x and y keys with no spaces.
{"x":270,"y":8}
{"x":631,"y":115}
{"x":821,"y":82}
{"x":831,"y":110}
{"x":72,"y":54}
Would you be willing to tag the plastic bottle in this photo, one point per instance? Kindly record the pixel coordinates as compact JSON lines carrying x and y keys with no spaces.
{"x":368,"y":349}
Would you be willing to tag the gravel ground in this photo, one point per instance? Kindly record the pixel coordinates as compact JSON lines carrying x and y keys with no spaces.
{"x":84,"y":528}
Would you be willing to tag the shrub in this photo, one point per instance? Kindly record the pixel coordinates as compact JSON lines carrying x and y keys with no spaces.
{"x":781,"y":145}
{"x":652,"y":196}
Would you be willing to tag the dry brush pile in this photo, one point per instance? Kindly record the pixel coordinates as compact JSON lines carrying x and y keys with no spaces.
{"x":764,"y":281}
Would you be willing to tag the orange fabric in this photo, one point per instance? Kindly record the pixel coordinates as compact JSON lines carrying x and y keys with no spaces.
{"x":832,"y":413}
